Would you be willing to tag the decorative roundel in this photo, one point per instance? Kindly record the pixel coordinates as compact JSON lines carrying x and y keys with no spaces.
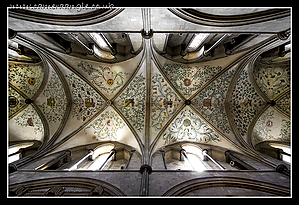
{"x":187,"y":122}
{"x":269,"y":123}
{"x":13,"y":101}
{"x":187,"y":82}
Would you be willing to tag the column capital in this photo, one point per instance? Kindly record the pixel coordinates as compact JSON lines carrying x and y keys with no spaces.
{"x":147,"y":35}
{"x":146,"y":167}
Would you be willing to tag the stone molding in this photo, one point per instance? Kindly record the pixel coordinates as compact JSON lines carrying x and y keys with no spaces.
{"x":208,"y":182}
{"x":96,"y":187}
{"x":97,"y":16}
{"x":197,"y":17}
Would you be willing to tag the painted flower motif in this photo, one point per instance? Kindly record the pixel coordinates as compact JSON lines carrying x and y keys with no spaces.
{"x":30,"y":122}
{"x":51,"y":102}
{"x":107,"y":125}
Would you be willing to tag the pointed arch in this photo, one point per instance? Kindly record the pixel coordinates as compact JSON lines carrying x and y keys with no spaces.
{"x":208,"y":182}
{"x":85,"y":183}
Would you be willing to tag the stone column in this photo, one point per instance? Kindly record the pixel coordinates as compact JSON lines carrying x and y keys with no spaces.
{"x":163,"y":158}
{"x":205,"y":154}
{"x":145,"y":171}
{"x":131,"y":154}
{"x":146,"y":32}
{"x":56,"y":162}
{"x":75,"y":166}
{"x":112,"y":152}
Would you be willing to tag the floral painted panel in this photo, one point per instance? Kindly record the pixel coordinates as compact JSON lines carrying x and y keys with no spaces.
{"x":132,"y":100}
{"x":285,"y":103}
{"x":54,"y":100}
{"x":189,"y":126}
{"x":164,"y":101}
{"x":272,"y":79}
{"x":27,"y":77}
{"x":245,"y":102}
{"x":189,"y":79}
{"x":272,"y":126}
{"x":15,"y":101}
{"x":86,"y":101}
{"x":106,"y":126}
{"x":210,"y":102}
{"x":108,"y":80}
{"x":30,"y":119}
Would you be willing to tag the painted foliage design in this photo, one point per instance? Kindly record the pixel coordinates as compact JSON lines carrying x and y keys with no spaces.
{"x":85,"y":100}
{"x":272,"y":79}
{"x":210,"y":102}
{"x":285,"y":103}
{"x":188,"y":126}
{"x":106,"y":126}
{"x":272,"y":126}
{"x":55,"y":102}
{"x":189,"y":79}
{"x":131,"y":102}
{"x":29,"y":118}
{"x":106,"y":79}
{"x":245,"y":102}
{"x":27,"y":77}
{"x":164,"y":101}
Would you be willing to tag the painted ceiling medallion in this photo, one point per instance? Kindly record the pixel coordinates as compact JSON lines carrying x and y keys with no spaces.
{"x":207,"y":102}
{"x":187,"y":82}
{"x":51,"y":101}
{"x":13,"y":101}
{"x":110,"y":81}
{"x":89,"y":102}
{"x":269,"y":123}
{"x":187,"y":122}
{"x":31,"y":81}
{"x":129,"y":102}
{"x":30,"y":121}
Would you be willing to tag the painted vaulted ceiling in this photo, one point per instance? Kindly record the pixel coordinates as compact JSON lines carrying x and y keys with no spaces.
{"x":149,"y":100}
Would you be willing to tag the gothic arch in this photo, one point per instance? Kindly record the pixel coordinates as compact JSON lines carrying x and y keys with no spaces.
{"x":88,"y":184}
{"x":208,"y":182}
{"x":97,"y":16}
{"x":197,"y":17}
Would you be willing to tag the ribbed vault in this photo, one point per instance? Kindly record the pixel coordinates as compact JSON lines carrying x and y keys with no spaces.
{"x":147,"y":100}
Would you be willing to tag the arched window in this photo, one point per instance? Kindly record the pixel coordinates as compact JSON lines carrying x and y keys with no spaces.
{"x":95,"y":159}
{"x":15,"y":151}
{"x":194,"y":157}
{"x":284,"y":150}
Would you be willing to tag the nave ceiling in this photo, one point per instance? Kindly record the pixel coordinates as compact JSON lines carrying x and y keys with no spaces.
{"x":147,"y":96}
